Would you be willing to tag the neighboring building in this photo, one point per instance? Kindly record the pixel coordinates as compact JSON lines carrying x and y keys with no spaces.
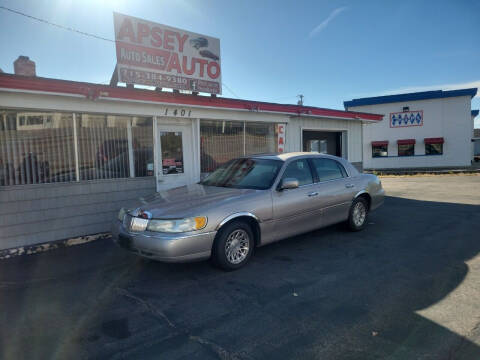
{"x":476,"y":138}
{"x":71,"y":153}
{"x":431,"y":129}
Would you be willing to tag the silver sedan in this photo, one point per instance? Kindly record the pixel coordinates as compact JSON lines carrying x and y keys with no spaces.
{"x":245,"y":203}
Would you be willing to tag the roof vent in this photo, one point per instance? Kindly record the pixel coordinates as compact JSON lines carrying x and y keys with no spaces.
{"x":24,"y":66}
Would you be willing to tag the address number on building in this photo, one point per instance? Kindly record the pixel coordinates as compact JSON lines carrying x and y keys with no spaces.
{"x":178,"y":112}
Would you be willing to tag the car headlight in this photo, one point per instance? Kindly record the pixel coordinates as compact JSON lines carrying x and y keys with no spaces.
{"x":121,"y":214}
{"x":177,"y":225}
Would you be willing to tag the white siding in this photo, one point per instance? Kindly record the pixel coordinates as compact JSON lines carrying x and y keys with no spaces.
{"x":447,"y":117}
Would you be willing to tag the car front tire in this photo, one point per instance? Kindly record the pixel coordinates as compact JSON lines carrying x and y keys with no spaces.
{"x":357,"y":218}
{"x":233,"y":246}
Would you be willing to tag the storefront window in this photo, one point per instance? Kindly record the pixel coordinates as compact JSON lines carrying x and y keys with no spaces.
{"x":379,"y":150}
{"x":172,"y":152}
{"x":221,"y":141}
{"x":433,"y":149}
{"x":39,"y":147}
{"x":406,"y":149}
{"x":103,"y":146}
{"x":260,"y":138}
{"x":142,"y":142}
{"x":36,"y":147}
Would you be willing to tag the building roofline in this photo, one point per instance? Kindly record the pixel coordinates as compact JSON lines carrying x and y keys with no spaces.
{"x":474,"y":113}
{"x":415,"y":96}
{"x":99,"y":91}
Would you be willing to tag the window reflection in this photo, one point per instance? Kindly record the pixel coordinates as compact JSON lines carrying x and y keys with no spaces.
{"x":221,"y":141}
{"x":103,"y":146}
{"x":39,"y":147}
{"x":36,"y":147}
{"x":142,"y":130}
{"x":172,"y":152}
{"x":406,"y":150}
{"x":260,"y":138}
{"x":434,"y":149}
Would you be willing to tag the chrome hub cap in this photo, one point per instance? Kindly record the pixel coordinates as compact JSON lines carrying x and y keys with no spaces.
{"x":237,"y":246}
{"x":359,"y":214}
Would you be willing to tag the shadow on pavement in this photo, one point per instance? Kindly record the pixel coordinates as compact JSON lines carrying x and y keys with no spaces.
{"x":329,"y":294}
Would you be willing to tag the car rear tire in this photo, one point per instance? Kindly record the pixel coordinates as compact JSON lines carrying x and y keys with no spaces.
{"x":358,"y":215}
{"x":233,"y":246}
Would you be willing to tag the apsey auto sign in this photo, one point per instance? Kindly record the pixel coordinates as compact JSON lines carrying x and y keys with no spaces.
{"x":162,"y":56}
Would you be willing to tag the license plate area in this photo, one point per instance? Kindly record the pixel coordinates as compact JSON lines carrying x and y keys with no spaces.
{"x":138,"y":224}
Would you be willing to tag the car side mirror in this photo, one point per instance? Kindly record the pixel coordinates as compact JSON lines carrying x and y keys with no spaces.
{"x":288,"y":183}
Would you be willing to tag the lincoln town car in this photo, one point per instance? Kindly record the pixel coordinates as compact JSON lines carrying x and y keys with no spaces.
{"x":245,"y":203}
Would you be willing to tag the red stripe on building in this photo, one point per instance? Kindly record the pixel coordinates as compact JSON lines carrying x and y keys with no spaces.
{"x":90,"y":90}
{"x":379,"y":143}
{"x":438,"y":140}
{"x":406,"y":142}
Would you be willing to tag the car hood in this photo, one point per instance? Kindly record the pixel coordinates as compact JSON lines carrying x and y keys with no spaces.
{"x":187,"y":200}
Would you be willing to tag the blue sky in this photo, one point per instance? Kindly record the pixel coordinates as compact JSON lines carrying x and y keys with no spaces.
{"x":329,"y":51}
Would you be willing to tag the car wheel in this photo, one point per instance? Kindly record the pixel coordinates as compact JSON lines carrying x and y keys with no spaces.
{"x":233,"y":246}
{"x":357,"y":218}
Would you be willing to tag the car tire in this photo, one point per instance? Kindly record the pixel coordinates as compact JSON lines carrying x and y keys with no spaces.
{"x":358,"y":214}
{"x":233,"y":246}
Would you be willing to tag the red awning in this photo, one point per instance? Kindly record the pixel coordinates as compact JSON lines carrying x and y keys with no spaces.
{"x":379,"y":143}
{"x":438,"y":140}
{"x":406,"y":142}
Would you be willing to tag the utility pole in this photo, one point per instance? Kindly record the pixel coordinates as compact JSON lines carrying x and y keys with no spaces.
{"x":300,"y":99}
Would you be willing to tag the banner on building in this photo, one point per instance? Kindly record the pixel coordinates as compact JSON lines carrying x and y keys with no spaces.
{"x":157,"y":55}
{"x":406,"y":118}
{"x":281,"y":138}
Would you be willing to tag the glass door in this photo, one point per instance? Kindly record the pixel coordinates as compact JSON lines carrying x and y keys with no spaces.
{"x":175,"y":156}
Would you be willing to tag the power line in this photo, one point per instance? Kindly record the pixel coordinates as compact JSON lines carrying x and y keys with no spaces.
{"x":56,"y":25}
{"x":81,"y":33}
{"x":284,"y":98}
{"x":230,"y":90}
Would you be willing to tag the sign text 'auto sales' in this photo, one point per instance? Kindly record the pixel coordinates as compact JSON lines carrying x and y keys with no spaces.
{"x":162,"y":56}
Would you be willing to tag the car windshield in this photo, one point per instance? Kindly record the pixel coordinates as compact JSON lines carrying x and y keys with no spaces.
{"x":245,"y":173}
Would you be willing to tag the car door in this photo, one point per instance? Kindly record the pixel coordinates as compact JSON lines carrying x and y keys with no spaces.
{"x":335,"y":190}
{"x":295,"y":210}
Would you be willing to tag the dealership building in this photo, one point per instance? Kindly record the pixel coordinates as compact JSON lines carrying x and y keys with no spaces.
{"x":431,"y":129}
{"x":476,"y":138}
{"x":72,"y":153}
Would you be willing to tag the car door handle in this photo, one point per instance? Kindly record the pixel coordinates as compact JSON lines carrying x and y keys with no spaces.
{"x":348,"y":186}
{"x":312,"y":194}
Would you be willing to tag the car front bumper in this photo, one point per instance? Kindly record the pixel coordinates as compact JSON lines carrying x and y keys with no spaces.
{"x":175,"y":247}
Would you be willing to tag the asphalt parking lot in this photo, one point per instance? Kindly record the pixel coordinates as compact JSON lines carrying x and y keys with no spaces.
{"x":407,"y":287}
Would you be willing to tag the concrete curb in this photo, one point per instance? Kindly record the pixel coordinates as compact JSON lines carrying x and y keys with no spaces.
{"x":47,"y":246}
{"x":422,"y":172}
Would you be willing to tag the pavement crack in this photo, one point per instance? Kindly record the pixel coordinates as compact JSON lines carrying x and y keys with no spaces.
{"x":149,"y":307}
{"x":221,"y":352}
